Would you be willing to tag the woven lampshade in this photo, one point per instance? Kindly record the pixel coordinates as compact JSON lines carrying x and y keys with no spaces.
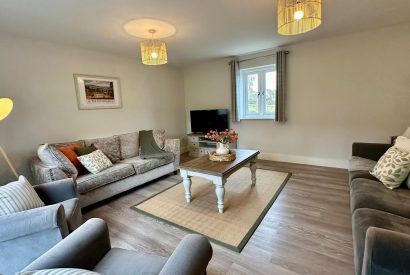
{"x":298,"y":16}
{"x":153,"y":52}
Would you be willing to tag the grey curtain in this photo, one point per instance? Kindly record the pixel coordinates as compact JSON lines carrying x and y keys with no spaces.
{"x":280,"y":114}
{"x":234,"y":64}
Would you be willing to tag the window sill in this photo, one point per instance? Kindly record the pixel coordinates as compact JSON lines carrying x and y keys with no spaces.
{"x":258,"y":118}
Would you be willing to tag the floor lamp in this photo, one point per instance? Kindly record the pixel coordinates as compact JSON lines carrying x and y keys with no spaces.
{"x":6,"y":105}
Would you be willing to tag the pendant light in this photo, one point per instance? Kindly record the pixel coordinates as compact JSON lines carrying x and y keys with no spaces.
{"x":298,"y":16}
{"x":153,"y":52}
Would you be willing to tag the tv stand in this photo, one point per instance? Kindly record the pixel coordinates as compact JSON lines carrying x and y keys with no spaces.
{"x":199,"y":146}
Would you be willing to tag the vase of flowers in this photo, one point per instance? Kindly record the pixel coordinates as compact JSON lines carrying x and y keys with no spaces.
{"x":223,"y":138}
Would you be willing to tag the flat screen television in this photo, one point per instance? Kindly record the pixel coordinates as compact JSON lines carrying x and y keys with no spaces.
{"x":203,"y":121}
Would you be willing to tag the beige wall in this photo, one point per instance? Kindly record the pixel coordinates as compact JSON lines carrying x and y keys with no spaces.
{"x":342,"y":89}
{"x":38,"y":76}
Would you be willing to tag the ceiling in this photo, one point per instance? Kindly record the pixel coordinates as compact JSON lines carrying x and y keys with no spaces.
{"x":206,"y":29}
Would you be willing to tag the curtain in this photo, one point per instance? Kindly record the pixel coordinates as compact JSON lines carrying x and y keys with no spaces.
{"x":280,"y":114}
{"x":234,"y":64}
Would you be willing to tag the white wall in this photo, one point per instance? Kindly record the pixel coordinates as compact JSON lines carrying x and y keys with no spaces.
{"x":38,"y":76}
{"x":342,"y":89}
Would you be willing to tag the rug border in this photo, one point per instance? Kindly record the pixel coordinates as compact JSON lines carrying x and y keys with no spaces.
{"x":247,"y":236}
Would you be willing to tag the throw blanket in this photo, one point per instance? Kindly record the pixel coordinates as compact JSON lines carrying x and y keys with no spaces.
{"x":149,"y":148}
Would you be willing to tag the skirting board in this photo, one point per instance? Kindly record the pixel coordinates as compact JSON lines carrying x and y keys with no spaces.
{"x":336,"y":163}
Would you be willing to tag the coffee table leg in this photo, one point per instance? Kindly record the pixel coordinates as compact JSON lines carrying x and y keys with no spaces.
{"x":220,"y":193}
{"x":187,"y":185}
{"x":253,"y":171}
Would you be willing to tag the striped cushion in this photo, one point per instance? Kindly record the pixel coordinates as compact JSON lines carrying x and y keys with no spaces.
{"x":59,"y":271}
{"x":18,"y":196}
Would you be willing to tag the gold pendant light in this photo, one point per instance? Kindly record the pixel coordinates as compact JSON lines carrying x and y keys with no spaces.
{"x":153,"y":52}
{"x":298,"y":16}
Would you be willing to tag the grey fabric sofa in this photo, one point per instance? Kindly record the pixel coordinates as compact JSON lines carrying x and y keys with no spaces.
{"x":89,"y":248}
{"x":130,"y":171}
{"x":26,"y":235}
{"x":380,"y":216}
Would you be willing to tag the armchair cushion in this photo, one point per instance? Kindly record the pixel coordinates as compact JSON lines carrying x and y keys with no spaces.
{"x":18,"y":196}
{"x":59,"y":271}
{"x":120,"y":262}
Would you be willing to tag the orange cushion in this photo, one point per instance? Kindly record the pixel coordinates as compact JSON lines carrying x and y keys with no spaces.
{"x":68,"y":151}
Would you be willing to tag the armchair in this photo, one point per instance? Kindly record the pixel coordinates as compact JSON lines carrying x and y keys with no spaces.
{"x":89,"y":248}
{"x":26,"y":235}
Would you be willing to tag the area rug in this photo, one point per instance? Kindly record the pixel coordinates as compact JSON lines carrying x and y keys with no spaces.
{"x":245,"y":206}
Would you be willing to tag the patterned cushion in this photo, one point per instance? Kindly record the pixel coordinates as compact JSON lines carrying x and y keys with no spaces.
{"x":18,"y":196}
{"x":110,"y":147}
{"x":59,"y":271}
{"x":115,"y":173}
{"x":392,"y":168}
{"x":159,"y":136}
{"x":129,"y":145}
{"x":51,"y":156}
{"x":95,"y":162}
{"x":403,"y":144}
{"x":144,"y":165}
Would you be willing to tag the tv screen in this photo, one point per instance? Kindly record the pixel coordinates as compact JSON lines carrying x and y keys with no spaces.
{"x":203,"y":121}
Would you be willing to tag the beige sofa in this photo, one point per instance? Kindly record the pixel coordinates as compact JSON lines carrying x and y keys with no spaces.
{"x":129,"y":169}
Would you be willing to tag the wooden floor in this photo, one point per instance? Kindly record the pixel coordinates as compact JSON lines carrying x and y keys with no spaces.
{"x":307,"y":230}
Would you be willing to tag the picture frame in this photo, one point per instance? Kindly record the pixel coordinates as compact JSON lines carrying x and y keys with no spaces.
{"x":97,"y":92}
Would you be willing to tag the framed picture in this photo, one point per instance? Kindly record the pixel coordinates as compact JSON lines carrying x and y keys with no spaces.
{"x":97,"y":92}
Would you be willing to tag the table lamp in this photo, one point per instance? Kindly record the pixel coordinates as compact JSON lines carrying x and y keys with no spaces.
{"x":6,"y":105}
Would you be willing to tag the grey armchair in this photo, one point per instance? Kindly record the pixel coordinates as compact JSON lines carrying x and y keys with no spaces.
{"x":89,"y":248}
{"x":26,"y":235}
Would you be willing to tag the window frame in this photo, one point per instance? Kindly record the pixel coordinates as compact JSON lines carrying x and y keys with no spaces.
{"x":243,"y":100}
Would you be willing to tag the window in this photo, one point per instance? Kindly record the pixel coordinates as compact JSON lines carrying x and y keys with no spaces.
{"x":257,"y":93}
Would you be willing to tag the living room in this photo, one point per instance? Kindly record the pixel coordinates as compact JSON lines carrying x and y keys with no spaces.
{"x":329,"y":104}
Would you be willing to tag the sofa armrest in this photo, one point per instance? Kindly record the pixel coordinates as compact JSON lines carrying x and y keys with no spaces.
{"x":26,"y":235}
{"x":372,"y":151}
{"x":191,"y":256}
{"x":32,"y":221}
{"x":43,"y":173}
{"x":57,"y":191}
{"x":83,"y":248}
{"x":174,"y":146}
{"x":386,"y":252}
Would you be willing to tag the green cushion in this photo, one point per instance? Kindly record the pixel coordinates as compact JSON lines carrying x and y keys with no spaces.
{"x":84,"y":150}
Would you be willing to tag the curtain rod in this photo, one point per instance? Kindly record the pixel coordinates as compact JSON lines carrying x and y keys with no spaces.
{"x":262,"y":56}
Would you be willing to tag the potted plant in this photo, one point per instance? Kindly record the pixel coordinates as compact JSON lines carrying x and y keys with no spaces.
{"x":223,"y":138}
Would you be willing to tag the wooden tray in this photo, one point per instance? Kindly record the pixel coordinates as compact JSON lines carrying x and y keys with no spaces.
{"x":228,"y":157}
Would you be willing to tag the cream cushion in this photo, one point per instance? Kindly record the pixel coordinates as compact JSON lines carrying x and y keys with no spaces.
{"x":95,"y":162}
{"x":392,"y":168}
{"x":403,"y":144}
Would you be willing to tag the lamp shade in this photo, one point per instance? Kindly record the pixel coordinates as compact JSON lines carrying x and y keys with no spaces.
{"x":298,"y":16}
{"x":153,"y":52}
{"x":6,"y":105}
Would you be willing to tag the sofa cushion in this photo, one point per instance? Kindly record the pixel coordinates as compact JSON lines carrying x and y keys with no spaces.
{"x":95,"y":162}
{"x":51,"y":156}
{"x":69,"y":152}
{"x":365,"y":218}
{"x":119,"y":261}
{"x":365,"y":193}
{"x":116,"y":172}
{"x":159,"y":136}
{"x":70,"y":143}
{"x":144,"y":165}
{"x":109,"y":145}
{"x":361,"y":175}
{"x":84,"y":150}
{"x":361,"y":164}
{"x":129,"y":145}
